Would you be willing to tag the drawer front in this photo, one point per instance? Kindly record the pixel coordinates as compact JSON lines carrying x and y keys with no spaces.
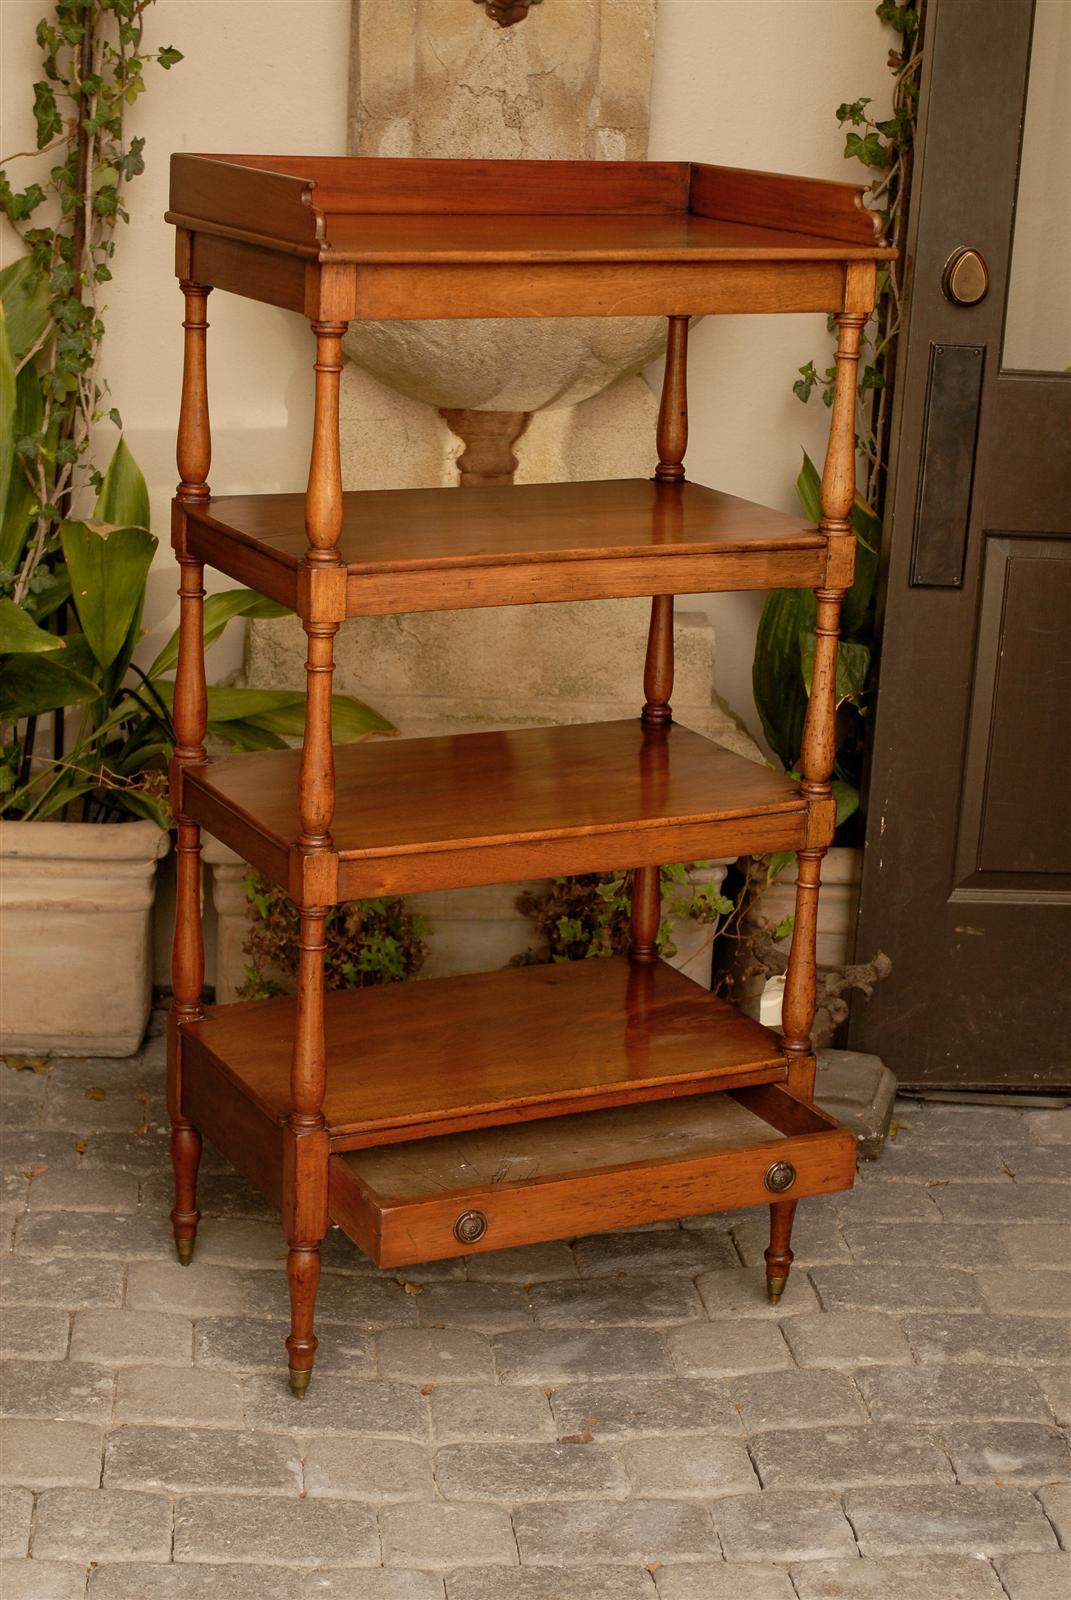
{"x":498,"y":1216}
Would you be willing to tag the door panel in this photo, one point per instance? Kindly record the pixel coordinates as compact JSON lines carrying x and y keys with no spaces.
{"x":967,"y":872}
{"x":1013,"y":819}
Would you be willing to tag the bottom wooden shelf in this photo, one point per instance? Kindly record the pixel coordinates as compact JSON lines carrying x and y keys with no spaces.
{"x":556,"y":1178}
{"x":504,"y":1108}
{"x":409,"y":1060}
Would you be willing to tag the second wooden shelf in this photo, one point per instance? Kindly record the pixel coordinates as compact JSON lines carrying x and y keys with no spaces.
{"x":473,"y":808}
{"x":437,"y":550}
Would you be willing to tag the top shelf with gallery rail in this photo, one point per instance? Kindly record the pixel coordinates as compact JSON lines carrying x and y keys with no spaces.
{"x":367,"y":238}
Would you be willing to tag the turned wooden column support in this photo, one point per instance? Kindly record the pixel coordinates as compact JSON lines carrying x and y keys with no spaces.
{"x":323,"y":497}
{"x":672,"y":440}
{"x":673,"y":406}
{"x":323,"y":525}
{"x":819,"y":730}
{"x":194,"y":459}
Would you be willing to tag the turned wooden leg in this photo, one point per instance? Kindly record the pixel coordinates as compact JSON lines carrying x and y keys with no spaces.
{"x":303,"y":1276}
{"x":306,"y":1153}
{"x":779,"y":1255}
{"x":187,"y":959}
{"x":306,"y":1148}
{"x":185,"y":1160}
{"x":190,"y":717}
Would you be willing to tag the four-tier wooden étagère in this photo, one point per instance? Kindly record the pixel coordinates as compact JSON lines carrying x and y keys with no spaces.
{"x":476,"y":1113}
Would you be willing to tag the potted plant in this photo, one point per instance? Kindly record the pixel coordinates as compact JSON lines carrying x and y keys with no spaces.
{"x":575,"y":919}
{"x":85,"y":730}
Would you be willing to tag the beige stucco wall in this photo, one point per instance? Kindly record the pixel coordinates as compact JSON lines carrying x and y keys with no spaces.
{"x":746,"y":82}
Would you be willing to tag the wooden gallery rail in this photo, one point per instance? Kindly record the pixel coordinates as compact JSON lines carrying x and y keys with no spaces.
{"x":547,"y":1101}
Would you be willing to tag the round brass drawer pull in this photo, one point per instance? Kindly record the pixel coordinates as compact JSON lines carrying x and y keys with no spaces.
{"x":470,"y":1227}
{"x":779,"y":1177}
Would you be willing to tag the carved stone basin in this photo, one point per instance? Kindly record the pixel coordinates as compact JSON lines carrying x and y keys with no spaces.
{"x":503,"y":364}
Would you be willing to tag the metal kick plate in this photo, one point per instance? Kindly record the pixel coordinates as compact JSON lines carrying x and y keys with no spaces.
{"x":942,"y":512}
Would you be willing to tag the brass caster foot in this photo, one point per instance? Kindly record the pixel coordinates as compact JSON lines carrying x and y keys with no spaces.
{"x":775,"y":1288}
{"x":299,"y":1382}
{"x":184,"y":1251}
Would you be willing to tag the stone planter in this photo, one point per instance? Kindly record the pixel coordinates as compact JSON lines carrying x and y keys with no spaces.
{"x":838,"y":908}
{"x":838,"y":903}
{"x":75,"y":922}
{"x":694,"y":940}
{"x":228,"y":874}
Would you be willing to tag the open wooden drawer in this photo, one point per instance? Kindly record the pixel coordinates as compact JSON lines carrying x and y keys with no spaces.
{"x":562,"y":1176}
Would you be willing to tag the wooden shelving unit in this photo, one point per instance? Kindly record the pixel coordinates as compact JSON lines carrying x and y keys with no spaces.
{"x":475,"y":1113}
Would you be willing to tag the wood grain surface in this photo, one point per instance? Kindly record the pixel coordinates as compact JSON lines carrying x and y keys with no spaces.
{"x":436,"y":550}
{"x":581,"y":1174}
{"x":410,"y":1059}
{"x":493,"y":807}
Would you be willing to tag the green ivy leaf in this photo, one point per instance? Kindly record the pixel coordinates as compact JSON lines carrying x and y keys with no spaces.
{"x":46,"y":114}
{"x":168,"y":57}
{"x":870,"y":150}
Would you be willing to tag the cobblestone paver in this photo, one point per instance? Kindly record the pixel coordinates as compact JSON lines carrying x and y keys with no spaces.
{"x":614,"y":1418}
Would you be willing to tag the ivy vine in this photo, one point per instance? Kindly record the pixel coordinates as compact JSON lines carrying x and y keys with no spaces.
{"x":94,"y":61}
{"x":885,"y":146}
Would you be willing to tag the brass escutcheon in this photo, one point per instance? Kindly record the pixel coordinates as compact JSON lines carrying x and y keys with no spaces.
{"x":780,"y":1176}
{"x":470,"y":1227}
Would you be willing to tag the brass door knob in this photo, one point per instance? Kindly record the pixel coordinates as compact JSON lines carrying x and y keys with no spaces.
{"x":965,"y":280}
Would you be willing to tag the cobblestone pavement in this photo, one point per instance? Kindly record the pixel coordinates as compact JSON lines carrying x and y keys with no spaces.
{"x":620,"y":1419}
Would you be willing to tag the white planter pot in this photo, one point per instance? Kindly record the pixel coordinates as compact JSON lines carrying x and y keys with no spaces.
{"x":694,"y":940}
{"x":228,"y":875}
{"x":75,"y":908}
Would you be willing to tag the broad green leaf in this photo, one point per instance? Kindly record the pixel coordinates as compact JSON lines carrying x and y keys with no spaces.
{"x":780,"y":694}
{"x":809,"y":489}
{"x":25,"y":301}
{"x":777,"y":863}
{"x":18,"y":500}
{"x":246,"y":735}
{"x":351,"y":719}
{"x":7,"y":410}
{"x":108,"y":567}
{"x":847,"y":797}
{"x":19,"y":633}
{"x":867,"y":529}
{"x":48,"y":592}
{"x":123,"y":500}
{"x":219,"y":609}
{"x":853,"y":664}
{"x":30,"y":685}
{"x":147,"y":805}
{"x":281,"y":712}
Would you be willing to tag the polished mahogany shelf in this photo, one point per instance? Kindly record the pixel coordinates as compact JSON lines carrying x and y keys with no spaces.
{"x":351,"y":238}
{"x":475,"y":808}
{"x":436,"y":550}
{"x":408,"y":1060}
